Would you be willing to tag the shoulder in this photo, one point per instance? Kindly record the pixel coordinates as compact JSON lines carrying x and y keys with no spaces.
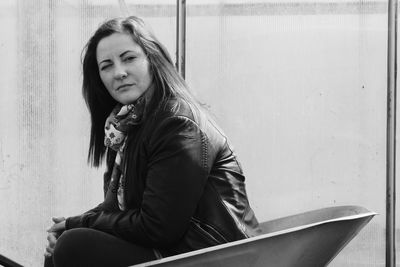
{"x":173,"y":112}
{"x":174,"y":120}
{"x":176,"y":108}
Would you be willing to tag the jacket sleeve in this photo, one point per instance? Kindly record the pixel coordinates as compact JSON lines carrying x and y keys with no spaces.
{"x":176,"y":175}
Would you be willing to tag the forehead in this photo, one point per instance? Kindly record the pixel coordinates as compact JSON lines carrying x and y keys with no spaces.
{"x":116,"y":44}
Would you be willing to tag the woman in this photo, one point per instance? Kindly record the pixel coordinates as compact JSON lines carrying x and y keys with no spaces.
{"x":172,"y":183}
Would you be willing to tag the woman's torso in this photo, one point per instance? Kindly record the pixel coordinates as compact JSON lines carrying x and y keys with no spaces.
{"x":222,"y":213}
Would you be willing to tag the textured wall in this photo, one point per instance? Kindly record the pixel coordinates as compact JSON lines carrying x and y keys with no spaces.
{"x":299,"y":89}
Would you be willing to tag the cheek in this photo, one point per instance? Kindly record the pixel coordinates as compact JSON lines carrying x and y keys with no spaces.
{"x":143,"y":70}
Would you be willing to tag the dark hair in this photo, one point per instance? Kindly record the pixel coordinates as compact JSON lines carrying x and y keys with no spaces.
{"x":168,"y":82}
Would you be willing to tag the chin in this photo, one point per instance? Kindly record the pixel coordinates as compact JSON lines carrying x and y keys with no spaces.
{"x":126,"y":100}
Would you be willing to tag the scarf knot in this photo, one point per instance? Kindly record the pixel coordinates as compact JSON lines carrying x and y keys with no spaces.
{"x":121,"y":121}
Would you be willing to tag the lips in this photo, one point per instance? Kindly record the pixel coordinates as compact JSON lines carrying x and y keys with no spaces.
{"x":123,"y":86}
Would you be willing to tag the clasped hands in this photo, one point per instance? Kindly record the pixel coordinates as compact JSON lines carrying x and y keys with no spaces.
{"x":53,"y":232}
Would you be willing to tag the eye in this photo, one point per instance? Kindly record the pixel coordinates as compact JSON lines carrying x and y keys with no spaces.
{"x":104,"y":67}
{"x":129,"y":58}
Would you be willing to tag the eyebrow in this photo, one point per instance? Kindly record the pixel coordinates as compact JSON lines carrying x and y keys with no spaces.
{"x":121,"y":55}
{"x":126,"y":52}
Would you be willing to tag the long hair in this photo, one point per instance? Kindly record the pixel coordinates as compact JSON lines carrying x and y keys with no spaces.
{"x":168,"y":83}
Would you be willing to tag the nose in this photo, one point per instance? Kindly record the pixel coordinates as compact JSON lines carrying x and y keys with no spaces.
{"x":119,"y":72}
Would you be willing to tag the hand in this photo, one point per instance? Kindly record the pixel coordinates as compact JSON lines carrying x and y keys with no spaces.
{"x":58,"y":226}
{"x":52,"y":239}
{"x":53,"y":233}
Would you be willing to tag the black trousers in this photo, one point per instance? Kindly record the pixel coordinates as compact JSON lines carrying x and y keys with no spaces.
{"x":88,"y":247}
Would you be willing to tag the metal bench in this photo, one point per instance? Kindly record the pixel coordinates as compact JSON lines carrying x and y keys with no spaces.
{"x":308,"y":239}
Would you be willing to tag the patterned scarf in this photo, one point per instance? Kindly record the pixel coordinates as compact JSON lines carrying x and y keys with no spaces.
{"x":117,"y":126}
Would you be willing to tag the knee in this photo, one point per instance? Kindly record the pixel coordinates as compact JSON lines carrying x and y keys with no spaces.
{"x":69,"y":247}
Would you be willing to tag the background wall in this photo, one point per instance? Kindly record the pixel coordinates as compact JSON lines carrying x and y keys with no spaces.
{"x":298,"y":86}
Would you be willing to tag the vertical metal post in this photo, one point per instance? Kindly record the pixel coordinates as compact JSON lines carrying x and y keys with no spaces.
{"x":391,"y":135}
{"x":181,"y":36}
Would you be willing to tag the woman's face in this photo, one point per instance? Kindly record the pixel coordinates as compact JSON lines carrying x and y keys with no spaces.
{"x":124,"y":68}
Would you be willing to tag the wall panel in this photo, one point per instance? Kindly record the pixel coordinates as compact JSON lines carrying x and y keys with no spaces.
{"x":298,"y":86}
{"x":301,"y":92}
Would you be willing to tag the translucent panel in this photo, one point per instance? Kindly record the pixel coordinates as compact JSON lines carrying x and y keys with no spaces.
{"x":45,"y":133}
{"x":300,"y":89}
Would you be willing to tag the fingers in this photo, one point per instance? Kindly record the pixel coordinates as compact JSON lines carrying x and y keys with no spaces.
{"x":58,"y":219}
{"x":57,"y":227}
{"x":47,"y":254}
{"x":51,"y":237}
{"x":49,"y":250}
{"x":59,"y":224}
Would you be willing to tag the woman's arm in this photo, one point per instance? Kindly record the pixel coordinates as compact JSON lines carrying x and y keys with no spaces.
{"x":176,"y":175}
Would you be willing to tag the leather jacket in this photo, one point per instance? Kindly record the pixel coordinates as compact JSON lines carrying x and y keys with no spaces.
{"x":185,"y":189}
